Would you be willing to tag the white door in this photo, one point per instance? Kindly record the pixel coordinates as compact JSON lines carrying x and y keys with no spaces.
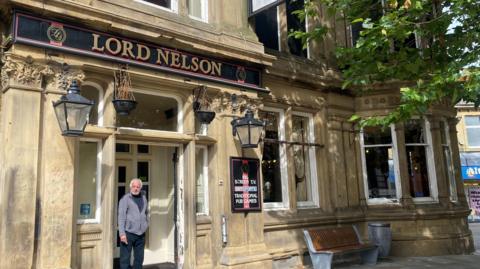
{"x":154,"y":165}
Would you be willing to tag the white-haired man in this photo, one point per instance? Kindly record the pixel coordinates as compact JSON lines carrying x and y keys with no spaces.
{"x":132,"y":225}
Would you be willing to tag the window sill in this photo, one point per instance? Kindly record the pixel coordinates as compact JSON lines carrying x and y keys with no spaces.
{"x":425,"y":200}
{"x":383,"y":201}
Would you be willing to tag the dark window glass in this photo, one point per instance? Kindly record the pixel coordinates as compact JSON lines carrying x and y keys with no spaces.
{"x":295,"y":24}
{"x":415,"y":131}
{"x":125,"y":148}
{"x":142,"y":171}
{"x":143,"y":149}
{"x":380,"y":172}
{"x":121,"y":192}
{"x":266,"y":28}
{"x":417,"y":171}
{"x":272,"y":180}
{"x":163,"y":3}
{"x":122,"y":174}
{"x":377,"y":135}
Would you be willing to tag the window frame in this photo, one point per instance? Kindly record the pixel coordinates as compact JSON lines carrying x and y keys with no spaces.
{"x":285,"y":204}
{"x":314,"y":202}
{"x":173,"y":9}
{"x":430,"y":157}
{"x":470,"y":127}
{"x":98,"y":180}
{"x":206,"y":207}
{"x":396,"y":169}
{"x":450,"y":169}
{"x":204,"y":12}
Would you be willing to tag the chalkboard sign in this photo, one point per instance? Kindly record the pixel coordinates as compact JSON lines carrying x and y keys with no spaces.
{"x":245,"y":184}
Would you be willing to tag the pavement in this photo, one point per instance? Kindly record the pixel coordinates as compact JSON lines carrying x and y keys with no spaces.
{"x":438,"y":262}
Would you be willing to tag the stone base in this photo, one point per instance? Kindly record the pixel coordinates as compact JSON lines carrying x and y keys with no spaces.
{"x":433,"y":247}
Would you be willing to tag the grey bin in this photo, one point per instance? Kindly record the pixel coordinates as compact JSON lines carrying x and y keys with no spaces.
{"x":379,"y":233}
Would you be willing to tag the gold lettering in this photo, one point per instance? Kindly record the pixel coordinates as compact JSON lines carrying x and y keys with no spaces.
{"x":194,"y":64}
{"x":207,"y":69}
{"x":184,"y":62}
{"x":127,"y":49}
{"x":216,"y":69}
{"x":164,"y":55}
{"x":108,"y":45}
{"x":95,"y":43}
{"x":141,"y":56}
{"x":175,"y":60}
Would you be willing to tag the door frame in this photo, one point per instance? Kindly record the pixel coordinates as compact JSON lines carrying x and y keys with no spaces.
{"x":179,"y":179}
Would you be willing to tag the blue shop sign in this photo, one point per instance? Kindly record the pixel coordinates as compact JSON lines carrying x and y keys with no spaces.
{"x":471,"y":172}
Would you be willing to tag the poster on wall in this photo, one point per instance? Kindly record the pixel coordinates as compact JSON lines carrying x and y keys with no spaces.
{"x":474,"y":201}
{"x":244,"y":182}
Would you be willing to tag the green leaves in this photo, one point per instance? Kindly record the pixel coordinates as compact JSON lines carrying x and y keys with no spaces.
{"x":431,"y":46}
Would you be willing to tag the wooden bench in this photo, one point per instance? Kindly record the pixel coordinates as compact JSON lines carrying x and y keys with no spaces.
{"x":323,"y":243}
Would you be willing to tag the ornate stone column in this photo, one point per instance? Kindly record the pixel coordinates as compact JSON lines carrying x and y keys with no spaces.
{"x":20,"y":128}
{"x":55,"y":196}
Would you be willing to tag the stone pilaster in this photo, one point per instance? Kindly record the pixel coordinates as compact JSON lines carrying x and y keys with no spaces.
{"x":452,"y":128}
{"x":336,"y":159}
{"x":406,"y":198}
{"x":20,"y":126}
{"x":57,"y":218}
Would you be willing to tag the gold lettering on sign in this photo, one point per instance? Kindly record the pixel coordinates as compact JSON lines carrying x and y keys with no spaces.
{"x":95,"y":43}
{"x":108,"y":46}
{"x":143,"y":52}
{"x":127,"y":49}
{"x":184,"y":62}
{"x":194,"y":64}
{"x":175,"y":60}
{"x":165,"y":57}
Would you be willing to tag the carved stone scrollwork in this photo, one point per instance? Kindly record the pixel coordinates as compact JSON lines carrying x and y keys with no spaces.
{"x":62,"y":76}
{"x":22,"y":71}
{"x":223,"y":102}
{"x":26,"y":72}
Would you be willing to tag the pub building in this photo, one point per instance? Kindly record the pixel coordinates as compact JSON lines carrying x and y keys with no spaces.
{"x":240,"y":135}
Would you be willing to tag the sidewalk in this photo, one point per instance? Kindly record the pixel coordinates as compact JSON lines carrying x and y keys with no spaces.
{"x":437,"y":262}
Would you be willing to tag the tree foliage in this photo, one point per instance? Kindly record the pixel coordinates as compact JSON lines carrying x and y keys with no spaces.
{"x":431,"y":47}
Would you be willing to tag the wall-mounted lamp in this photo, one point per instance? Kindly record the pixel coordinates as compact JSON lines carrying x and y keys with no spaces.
{"x":72,"y":111}
{"x":248,"y":129}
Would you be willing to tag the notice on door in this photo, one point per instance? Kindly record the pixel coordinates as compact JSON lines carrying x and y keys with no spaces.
{"x":245,"y":191}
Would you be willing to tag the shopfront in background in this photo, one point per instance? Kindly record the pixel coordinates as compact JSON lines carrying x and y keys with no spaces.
{"x":471,"y":177}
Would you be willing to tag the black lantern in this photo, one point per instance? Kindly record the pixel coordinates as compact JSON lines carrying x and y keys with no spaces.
{"x":248,"y":130}
{"x":72,"y":111}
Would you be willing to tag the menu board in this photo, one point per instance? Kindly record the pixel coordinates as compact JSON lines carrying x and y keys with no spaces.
{"x":474,"y":200}
{"x":245,"y":185}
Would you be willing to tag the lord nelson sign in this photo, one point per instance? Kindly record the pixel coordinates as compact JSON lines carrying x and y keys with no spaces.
{"x":41,"y":32}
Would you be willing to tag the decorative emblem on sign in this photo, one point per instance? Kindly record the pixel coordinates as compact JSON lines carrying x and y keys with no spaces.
{"x":56,"y":34}
{"x":241,"y":74}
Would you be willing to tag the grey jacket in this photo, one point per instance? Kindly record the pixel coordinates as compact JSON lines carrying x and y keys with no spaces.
{"x":130,"y":219}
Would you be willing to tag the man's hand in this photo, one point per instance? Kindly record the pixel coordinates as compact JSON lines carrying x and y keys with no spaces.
{"x":123,"y":238}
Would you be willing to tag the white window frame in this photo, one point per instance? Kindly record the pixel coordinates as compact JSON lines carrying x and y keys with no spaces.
{"x":205,"y":183}
{"x":450,"y":173}
{"x":174,"y":5}
{"x":396,"y":165}
{"x":204,"y":11}
{"x":98,"y":185}
{"x":430,"y":156}
{"x":470,"y":127}
{"x":283,"y":162}
{"x":313,"y":163}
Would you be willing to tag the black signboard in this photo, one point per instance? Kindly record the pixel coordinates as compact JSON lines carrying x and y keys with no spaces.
{"x":61,"y":36}
{"x":245,"y":184}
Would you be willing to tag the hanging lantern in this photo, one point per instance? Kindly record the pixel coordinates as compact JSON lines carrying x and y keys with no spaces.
{"x":248,"y":129}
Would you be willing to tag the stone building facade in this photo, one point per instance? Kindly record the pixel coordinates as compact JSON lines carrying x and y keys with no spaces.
{"x":58,"y":195}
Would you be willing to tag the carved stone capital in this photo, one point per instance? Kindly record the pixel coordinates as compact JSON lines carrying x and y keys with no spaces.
{"x":225,"y":102}
{"x":22,"y":71}
{"x":62,"y":76}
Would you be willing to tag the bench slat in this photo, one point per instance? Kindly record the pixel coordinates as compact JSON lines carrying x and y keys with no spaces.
{"x":331,"y":238}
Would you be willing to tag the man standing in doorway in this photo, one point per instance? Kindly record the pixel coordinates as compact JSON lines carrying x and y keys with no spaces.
{"x":132,"y":224}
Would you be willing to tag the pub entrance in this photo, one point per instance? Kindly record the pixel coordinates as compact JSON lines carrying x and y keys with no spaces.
{"x":156,"y":166}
